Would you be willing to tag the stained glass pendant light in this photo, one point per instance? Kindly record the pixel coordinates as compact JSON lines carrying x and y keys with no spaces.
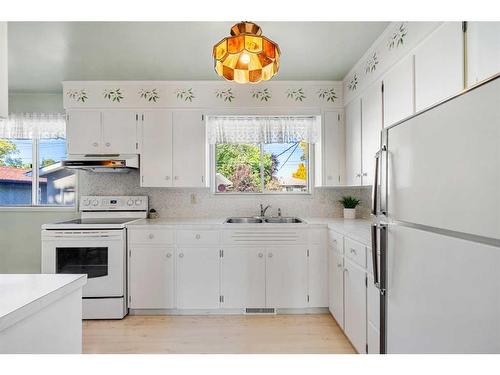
{"x":246,"y":56}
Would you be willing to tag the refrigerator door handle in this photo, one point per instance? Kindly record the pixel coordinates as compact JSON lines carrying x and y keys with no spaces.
{"x":375,"y":185}
{"x":376,"y":280}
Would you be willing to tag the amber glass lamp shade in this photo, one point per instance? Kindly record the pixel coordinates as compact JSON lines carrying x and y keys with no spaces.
{"x":246,"y":56}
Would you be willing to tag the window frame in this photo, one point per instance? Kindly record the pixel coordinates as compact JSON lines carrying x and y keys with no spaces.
{"x":310,"y":174}
{"x":35,"y":172}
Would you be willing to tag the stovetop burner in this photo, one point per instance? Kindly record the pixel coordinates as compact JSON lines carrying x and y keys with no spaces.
{"x":98,"y":221}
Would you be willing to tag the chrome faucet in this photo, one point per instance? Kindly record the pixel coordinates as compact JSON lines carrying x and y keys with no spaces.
{"x":264,"y":209}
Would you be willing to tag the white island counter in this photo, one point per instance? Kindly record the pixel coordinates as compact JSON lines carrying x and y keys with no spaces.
{"x":41,"y":313}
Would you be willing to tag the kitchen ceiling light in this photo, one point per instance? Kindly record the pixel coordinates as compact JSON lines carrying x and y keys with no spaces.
{"x":246,"y":56}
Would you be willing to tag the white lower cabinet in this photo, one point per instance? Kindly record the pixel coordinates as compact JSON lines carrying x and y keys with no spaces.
{"x":373,"y":339}
{"x":243,"y":277}
{"x":336,"y":285}
{"x":355,"y":304}
{"x":318,"y":276}
{"x":152,"y":272}
{"x":373,"y":317}
{"x":286,"y":277}
{"x":197,"y":277}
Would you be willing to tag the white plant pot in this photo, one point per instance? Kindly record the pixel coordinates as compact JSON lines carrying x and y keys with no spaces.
{"x":349,"y":213}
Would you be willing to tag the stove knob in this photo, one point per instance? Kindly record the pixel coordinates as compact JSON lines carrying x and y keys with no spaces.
{"x":138,"y":202}
{"x":130,"y":202}
{"x":95,"y":202}
{"x":86,"y":202}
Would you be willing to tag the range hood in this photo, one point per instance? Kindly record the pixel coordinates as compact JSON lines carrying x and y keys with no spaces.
{"x":102,"y":163}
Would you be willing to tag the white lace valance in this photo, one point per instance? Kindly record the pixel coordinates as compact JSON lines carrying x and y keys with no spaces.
{"x":33,"y":125}
{"x":262,"y":129}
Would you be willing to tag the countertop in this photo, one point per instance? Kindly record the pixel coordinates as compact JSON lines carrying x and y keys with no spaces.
{"x":357,"y":229}
{"x":24,"y":295}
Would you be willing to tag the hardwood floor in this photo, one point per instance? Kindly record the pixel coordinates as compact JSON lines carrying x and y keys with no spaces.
{"x":219,"y":334}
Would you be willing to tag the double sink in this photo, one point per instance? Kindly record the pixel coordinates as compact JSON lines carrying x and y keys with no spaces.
{"x":263,"y":220}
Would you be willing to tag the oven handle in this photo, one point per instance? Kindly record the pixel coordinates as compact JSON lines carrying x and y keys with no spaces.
{"x":84,"y":235}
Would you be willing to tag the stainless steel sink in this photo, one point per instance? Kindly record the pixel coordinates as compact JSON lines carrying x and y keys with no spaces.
{"x":283,"y":220}
{"x":244,"y":220}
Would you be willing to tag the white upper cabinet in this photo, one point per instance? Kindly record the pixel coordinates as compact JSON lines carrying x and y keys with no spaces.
{"x":83,"y":132}
{"x":173,"y":149}
{"x":439,"y":65}
{"x":353,"y":143}
{"x":156,"y":149}
{"x":371,"y":127}
{"x":119,"y":132}
{"x":483,"y":50}
{"x":331,"y":151}
{"x":189,"y":149}
{"x":4,"y":72}
{"x":243,"y":277}
{"x":101,"y":132}
{"x":399,"y":92}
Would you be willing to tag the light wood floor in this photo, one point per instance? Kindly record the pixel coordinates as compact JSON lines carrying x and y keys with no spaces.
{"x":221,"y":334}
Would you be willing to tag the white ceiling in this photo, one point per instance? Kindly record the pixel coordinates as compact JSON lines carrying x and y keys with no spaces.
{"x":42,"y":54}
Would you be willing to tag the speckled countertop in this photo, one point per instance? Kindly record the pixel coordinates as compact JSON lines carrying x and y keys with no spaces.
{"x":358,"y":229}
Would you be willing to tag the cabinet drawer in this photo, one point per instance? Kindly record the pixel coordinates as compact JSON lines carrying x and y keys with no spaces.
{"x":336,"y":240}
{"x":152,"y":236}
{"x":356,"y":252}
{"x":198,"y":237}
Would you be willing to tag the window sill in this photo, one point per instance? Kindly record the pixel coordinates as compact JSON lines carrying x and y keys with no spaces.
{"x":37,"y":208}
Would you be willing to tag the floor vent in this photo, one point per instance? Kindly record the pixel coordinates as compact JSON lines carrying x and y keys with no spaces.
{"x":265,"y":310}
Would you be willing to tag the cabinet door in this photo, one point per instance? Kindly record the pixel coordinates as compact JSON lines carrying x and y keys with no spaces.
{"x":119,"y":132}
{"x":371,"y":127}
{"x":336,"y":286}
{"x":156,"y":149}
{"x":373,"y":303}
{"x":151,"y":277}
{"x":286,"y":277}
{"x":483,"y":49}
{"x":318,"y":276}
{"x":189,"y":149}
{"x":439,"y":65}
{"x":353,"y":143}
{"x":83,"y":132}
{"x":398,"y":92}
{"x":243,"y":277}
{"x":355,"y":305}
{"x":333,"y":149}
{"x":197,"y":278}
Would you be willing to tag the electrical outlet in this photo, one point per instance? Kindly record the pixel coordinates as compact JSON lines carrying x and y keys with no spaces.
{"x":194,"y":198}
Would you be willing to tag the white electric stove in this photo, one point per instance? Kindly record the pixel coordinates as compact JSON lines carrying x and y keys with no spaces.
{"x":95,"y":244}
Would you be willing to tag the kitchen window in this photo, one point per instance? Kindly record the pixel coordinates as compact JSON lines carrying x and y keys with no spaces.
{"x":32,"y":147}
{"x":261,"y":154}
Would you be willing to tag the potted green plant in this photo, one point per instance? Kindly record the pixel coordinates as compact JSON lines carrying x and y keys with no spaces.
{"x":350,"y":204}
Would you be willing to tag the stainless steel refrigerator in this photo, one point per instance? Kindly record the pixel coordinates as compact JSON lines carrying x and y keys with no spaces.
{"x":437,"y":227}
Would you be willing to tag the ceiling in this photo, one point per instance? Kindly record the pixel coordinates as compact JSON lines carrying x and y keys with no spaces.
{"x":42,"y":54}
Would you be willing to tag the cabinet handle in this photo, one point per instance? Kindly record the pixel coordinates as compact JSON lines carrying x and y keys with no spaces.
{"x":358,"y":175}
{"x":365,"y":174}
{"x":270,"y":255}
{"x":95,"y":144}
{"x":198,"y":236}
{"x":169,"y":255}
{"x":352,"y":251}
{"x":346,"y":270}
{"x":108,"y":144}
{"x":181,"y":255}
{"x":339,"y":265}
{"x":261,"y":255}
{"x":176,"y":177}
{"x":167,"y":178}
{"x":334,"y":241}
{"x":151,"y":236}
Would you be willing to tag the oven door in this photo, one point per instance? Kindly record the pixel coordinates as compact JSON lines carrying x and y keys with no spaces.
{"x":100,"y":254}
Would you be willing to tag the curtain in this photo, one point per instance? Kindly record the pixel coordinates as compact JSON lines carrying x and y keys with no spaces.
{"x":262,"y":129}
{"x":33,"y":125}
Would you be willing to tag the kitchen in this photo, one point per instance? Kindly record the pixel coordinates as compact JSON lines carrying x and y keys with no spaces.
{"x":197,"y":206}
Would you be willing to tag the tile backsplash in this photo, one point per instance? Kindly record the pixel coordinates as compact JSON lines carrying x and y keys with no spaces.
{"x":183,"y":202}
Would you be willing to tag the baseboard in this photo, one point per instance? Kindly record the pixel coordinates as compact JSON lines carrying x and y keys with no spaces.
{"x":312,"y":310}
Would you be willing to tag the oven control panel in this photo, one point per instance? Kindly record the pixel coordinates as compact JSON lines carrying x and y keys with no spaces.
{"x":113,"y":203}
